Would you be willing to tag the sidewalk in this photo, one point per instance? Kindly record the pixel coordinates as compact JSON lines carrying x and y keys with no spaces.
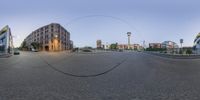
{"x":175,"y":56}
{"x":5,"y":55}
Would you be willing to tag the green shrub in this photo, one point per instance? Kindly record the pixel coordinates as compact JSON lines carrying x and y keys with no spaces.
{"x":180,"y":52}
{"x":188,"y":51}
{"x":155,"y":49}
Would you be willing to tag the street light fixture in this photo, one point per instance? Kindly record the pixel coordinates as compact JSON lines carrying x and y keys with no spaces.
{"x":55,"y":35}
{"x":181,"y":42}
{"x":55,"y":42}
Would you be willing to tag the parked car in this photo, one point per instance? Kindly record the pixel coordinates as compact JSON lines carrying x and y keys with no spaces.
{"x":86,"y":50}
{"x":75,"y":49}
{"x":16,"y":52}
{"x":34,"y":50}
{"x":120,"y":50}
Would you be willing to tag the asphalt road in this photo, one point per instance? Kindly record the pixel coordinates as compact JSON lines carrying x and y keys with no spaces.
{"x":100,"y":76}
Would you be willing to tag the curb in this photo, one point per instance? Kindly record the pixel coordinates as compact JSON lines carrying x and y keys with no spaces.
{"x":90,"y":52}
{"x":174,"y":56}
{"x":5,"y":55}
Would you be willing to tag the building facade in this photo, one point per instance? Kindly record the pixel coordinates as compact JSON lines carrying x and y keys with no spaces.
{"x":131,"y":46}
{"x":99,"y":44}
{"x":52,"y":37}
{"x":197,"y":44}
{"x":6,"y":41}
{"x":169,"y":45}
{"x":122,"y":46}
{"x":155,"y":45}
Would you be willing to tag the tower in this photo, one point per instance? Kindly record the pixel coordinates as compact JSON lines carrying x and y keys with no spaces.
{"x":129,"y":41}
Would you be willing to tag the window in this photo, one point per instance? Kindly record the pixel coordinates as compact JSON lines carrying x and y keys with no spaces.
{"x":41,"y":29}
{"x":46,"y":28}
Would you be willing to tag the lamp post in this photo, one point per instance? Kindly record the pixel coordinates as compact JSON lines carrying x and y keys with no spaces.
{"x":55,"y":42}
{"x":129,"y":41}
{"x":181,"y":42}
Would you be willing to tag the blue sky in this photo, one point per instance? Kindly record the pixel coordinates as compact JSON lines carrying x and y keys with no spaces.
{"x":108,"y":20}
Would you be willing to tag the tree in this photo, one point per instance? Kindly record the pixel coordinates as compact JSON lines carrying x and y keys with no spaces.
{"x":155,"y":49}
{"x":35,"y":45}
{"x":23,"y":46}
{"x":113,"y":46}
{"x":188,"y":51}
{"x":180,"y":51}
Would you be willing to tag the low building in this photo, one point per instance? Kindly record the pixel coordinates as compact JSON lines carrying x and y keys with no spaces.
{"x":6,"y":41}
{"x":107,"y":46}
{"x":52,"y":37}
{"x":170,"y":46}
{"x":155,"y":45}
{"x":136,"y":47}
{"x":122,"y":46}
{"x":132,"y":46}
{"x":99,"y":44}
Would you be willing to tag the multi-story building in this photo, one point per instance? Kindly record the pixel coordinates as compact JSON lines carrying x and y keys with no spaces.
{"x":99,"y":44}
{"x":107,"y":46}
{"x":122,"y":46}
{"x":197,"y":44}
{"x":132,"y":46}
{"x":169,"y":45}
{"x":6,"y":41}
{"x":136,"y":47}
{"x":155,"y":45}
{"x":52,"y":37}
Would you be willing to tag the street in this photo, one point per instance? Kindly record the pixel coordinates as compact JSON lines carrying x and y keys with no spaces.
{"x":98,"y":76}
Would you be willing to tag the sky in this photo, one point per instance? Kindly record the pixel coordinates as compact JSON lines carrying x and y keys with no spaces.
{"x":108,"y":20}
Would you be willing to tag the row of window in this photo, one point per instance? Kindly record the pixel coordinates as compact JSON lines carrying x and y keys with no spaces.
{"x":58,"y":29}
{"x":63,"y":37}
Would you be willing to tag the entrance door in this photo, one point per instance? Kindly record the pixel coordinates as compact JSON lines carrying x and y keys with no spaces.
{"x":46,"y":48}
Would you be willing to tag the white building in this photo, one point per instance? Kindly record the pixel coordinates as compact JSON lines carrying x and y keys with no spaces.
{"x":197,"y":44}
{"x":169,"y":45}
{"x":6,"y":41}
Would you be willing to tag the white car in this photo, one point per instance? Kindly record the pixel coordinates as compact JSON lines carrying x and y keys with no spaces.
{"x":34,"y":50}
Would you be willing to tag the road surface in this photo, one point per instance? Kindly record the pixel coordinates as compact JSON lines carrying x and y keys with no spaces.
{"x":98,"y":76}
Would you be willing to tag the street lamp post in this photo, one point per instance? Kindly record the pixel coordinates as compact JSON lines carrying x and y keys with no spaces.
{"x":129,"y":41}
{"x":55,"y":42}
{"x":181,"y":42}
